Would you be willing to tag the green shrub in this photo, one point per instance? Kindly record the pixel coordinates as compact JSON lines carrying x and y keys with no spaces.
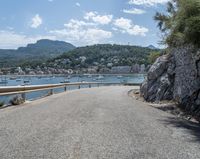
{"x":1,"y":103}
{"x":153,"y":56}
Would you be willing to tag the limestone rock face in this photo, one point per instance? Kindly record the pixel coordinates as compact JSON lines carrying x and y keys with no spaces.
{"x":187,"y":80}
{"x":175,"y":77}
{"x":158,"y":85}
{"x":158,"y":68}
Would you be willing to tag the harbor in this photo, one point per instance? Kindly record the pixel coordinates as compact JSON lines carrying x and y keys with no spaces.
{"x":11,"y":80}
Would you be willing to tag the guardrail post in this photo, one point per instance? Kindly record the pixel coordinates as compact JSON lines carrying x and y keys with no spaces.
{"x":24,"y":96}
{"x":98,"y":85}
{"x":65,"y":88}
{"x":89,"y":85}
{"x":79,"y":86}
{"x":51,"y":92}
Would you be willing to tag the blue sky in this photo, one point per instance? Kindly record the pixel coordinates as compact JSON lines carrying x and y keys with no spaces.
{"x":80,"y":22}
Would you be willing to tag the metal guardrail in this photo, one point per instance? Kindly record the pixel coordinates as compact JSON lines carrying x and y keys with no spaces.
{"x":13,"y":90}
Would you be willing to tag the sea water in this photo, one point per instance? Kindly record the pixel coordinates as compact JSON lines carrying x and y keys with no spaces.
{"x":39,"y":80}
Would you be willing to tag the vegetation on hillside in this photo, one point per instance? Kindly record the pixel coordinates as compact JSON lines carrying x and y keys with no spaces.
{"x":102,"y":55}
{"x":181,"y":24}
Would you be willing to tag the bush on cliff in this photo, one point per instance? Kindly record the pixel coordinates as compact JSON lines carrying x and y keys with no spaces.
{"x":153,"y":56}
{"x":181,"y":24}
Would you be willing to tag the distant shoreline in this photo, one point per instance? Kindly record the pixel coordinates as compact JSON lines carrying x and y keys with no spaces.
{"x":60,"y":75}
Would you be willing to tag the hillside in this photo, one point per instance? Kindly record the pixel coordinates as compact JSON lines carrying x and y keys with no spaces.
{"x":100,"y":57}
{"x":105,"y":53}
{"x":41,"y":50}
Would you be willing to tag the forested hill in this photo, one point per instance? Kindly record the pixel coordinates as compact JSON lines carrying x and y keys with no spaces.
{"x":40,"y":51}
{"x":102,"y":55}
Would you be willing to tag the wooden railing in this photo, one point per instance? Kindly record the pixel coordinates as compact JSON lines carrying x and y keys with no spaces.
{"x":13,"y":90}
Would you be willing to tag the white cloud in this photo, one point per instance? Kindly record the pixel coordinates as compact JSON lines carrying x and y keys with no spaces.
{"x":127,"y":26}
{"x":81,"y":32}
{"x":50,"y":0}
{"x":36,"y":21}
{"x":134,"y":11}
{"x":76,"y":24}
{"x":12,"y":40}
{"x":78,"y":4}
{"x":147,"y":2}
{"x":101,"y":19}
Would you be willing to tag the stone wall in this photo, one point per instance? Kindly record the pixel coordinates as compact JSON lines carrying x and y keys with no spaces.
{"x":175,"y":77}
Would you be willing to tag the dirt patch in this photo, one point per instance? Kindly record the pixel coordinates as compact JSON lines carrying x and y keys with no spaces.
{"x":167,"y":106}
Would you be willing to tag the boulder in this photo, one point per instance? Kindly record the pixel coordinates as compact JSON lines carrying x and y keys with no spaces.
{"x":158,"y":68}
{"x":17,"y":100}
{"x":158,"y":85}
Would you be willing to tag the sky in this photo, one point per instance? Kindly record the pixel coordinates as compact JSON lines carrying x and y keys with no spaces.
{"x":80,"y":22}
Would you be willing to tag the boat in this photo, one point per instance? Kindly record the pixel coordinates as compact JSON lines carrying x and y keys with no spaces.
{"x":65,"y":81}
{"x":26,"y":82}
{"x":3,"y":82}
{"x":68,"y":77}
{"x":18,"y":80}
{"x":13,"y":78}
{"x":100,"y":77}
{"x":119,"y":76}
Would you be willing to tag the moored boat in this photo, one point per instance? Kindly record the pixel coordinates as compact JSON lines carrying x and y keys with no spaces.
{"x":65,"y":81}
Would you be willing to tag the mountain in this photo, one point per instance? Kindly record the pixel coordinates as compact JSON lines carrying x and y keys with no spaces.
{"x":42,"y":50}
{"x":151,"y":47}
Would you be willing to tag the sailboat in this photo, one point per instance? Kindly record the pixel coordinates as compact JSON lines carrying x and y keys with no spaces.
{"x":13,"y":78}
{"x":100,"y":77}
{"x":3,"y":80}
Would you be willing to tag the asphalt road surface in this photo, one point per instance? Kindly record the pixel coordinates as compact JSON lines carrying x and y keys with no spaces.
{"x":96,"y":123}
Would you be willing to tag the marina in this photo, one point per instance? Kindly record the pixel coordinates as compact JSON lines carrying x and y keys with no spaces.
{"x":62,"y":79}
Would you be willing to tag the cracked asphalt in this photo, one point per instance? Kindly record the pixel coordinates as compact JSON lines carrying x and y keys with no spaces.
{"x":95,"y":123}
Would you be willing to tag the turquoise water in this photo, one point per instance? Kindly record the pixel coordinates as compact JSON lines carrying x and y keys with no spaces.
{"x":135,"y":78}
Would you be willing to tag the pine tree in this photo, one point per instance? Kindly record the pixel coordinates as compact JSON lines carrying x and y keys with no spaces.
{"x":181,"y":24}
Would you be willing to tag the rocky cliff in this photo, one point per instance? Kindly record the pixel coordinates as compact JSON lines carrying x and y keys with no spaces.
{"x":175,"y":76}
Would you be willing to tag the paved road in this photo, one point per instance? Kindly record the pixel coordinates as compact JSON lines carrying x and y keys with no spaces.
{"x":96,"y":123}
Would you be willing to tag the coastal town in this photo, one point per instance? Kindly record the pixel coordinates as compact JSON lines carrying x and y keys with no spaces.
{"x":101,"y":79}
{"x":136,"y":68}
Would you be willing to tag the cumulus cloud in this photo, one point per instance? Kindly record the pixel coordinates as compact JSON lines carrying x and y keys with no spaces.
{"x":147,"y":2}
{"x":81,"y":32}
{"x":101,"y":19}
{"x":134,"y":11}
{"x":36,"y":21}
{"x":126,"y":26}
{"x":77,"y":24}
{"x":11,"y":40}
{"x":78,"y":4}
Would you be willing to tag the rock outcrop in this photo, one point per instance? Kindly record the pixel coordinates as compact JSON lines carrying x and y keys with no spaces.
{"x":175,"y":76}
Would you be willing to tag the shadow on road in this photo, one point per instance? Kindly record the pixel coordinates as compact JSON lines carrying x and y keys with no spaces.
{"x":190,"y":127}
